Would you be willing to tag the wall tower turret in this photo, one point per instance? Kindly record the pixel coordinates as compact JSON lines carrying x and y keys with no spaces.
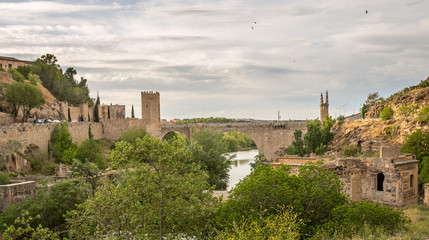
{"x":324,"y":107}
{"x":151,"y":107}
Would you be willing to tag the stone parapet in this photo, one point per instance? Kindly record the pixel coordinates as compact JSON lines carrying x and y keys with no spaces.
{"x":16,"y":192}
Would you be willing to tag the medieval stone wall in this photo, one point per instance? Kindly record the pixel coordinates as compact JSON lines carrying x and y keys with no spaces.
{"x":16,"y":192}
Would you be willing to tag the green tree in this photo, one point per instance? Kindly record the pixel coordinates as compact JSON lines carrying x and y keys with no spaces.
{"x":90,"y":151}
{"x":312,"y":194}
{"x":17,"y":76}
{"x":297,"y":146}
{"x":423,"y":115}
{"x":418,"y":144}
{"x":386,"y":113}
{"x":164,"y":196}
{"x":23,"y":96}
{"x":68,"y":115}
{"x":60,"y":141}
{"x":132,"y":111}
{"x":209,"y":153}
{"x":283,"y":225}
{"x":108,"y":112}
{"x":23,"y":230}
{"x":50,"y":204}
{"x":34,"y":79}
{"x":131,"y":135}
{"x":25,"y":71}
{"x":96,"y":113}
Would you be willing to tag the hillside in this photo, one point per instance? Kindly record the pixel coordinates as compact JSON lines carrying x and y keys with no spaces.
{"x":47,"y":110}
{"x":372,"y":132}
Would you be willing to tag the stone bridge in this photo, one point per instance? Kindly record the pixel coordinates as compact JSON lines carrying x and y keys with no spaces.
{"x":268,"y":136}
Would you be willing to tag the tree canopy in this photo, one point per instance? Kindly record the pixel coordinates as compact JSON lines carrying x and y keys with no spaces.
{"x":24,"y":96}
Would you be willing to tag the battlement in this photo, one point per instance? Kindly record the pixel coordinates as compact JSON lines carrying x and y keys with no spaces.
{"x":150,"y":93}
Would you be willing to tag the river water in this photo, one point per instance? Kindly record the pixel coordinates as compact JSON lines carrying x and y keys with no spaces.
{"x":240,"y":166}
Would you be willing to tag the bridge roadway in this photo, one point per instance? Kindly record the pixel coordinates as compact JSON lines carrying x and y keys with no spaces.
{"x":269,"y":136}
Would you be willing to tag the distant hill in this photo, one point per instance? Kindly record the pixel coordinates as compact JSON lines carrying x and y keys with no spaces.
{"x":371,"y":132}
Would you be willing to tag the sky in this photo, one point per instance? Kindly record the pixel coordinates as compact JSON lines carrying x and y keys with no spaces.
{"x":228,"y":58}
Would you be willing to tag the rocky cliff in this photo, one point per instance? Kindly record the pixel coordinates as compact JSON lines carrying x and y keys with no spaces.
{"x":370,"y":133}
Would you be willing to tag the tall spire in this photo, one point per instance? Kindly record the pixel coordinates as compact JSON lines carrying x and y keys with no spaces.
{"x":321,"y":98}
{"x":327,"y":97}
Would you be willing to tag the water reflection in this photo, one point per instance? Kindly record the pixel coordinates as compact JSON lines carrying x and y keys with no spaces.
{"x":240,"y":166}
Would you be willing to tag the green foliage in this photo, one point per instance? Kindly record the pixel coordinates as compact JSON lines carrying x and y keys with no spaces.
{"x":2,"y":69}
{"x":59,"y":142}
{"x":4,"y":178}
{"x":407,"y":111}
{"x":238,"y":141}
{"x":259,"y":159}
{"x":312,"y":194}
{"x":423,"y":115}
{"x":132,"y":111}
{"x":23,"y":96}
{"x":131,"y":135}
{"x":283,"y":225}
{"x":316,"y":140}
{"x":68,"y":115}
{"x":348,"y":219}
{"x":386,"y":113}
{"x":63,"y":86}
{"x":341,"y":119}
{"x":96,"y":110}
{"x":363,"y":111}
{"x":209,"y":153}
{"x":34,"y":79}
{"x":50,"y":204}
{"x":17,"y":76}
{"x":350,"y":151}
{"x":418,"y":144}
{"x":373,"y":99}
{"x":23,"y":230}
{"x":90,"y":151}
{"x":297,"y":146}
{"x":164,"y":196}
{"x":13,"y":145}
{"x":90,"y":135}
{"x":25,"y":71}
{"x":206,"y":120}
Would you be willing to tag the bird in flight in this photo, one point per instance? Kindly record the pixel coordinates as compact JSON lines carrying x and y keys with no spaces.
{"x":366,"y":11}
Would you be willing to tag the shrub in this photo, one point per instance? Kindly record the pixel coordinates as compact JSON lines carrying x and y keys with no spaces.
{"x":16,"y":75}
{"x":4,"y":178}
{"x":407,"y":111}
{"x":386,"y":113}
{"x":423,"y":115}
{"x":350,"y":151}
{"x":341,"y":119}
{"x":59,"y":142}
{"x":348,"y":219}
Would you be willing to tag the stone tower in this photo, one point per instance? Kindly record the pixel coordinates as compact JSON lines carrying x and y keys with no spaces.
{"x":324,"y":107}
{"x":151,"y":107}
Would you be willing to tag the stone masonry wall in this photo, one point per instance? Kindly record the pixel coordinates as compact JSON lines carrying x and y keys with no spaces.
{"x":16,"y":192}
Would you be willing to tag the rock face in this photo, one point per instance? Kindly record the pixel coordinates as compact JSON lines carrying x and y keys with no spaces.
{"x":369,"y":135}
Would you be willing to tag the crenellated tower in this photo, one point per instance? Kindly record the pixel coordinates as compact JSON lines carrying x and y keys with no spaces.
{"x":151,"y":107}
{"x":324,"y":107}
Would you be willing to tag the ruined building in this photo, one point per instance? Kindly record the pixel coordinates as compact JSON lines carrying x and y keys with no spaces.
{"x":10,"y":62}
{"x":324,"y":107}
{"x":391,"y":179}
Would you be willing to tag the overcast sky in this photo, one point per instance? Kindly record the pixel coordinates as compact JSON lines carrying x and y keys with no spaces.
{"x":210,"y":58}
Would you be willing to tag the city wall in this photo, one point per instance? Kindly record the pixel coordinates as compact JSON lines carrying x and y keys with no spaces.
{"x":16,"y":192}
{"x":39,"y":134}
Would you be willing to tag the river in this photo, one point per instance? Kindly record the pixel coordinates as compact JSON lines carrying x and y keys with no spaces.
{"x":240,"y":166}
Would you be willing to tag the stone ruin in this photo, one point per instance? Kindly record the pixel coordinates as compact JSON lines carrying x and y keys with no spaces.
{"x":391,"y":179}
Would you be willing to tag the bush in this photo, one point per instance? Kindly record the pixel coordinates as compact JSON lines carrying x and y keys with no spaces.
{"x":350,"y":151}
{"x":348,"y":219}
{"x":423,"y":115}
{"x":59,"y":142}
{"x":407,"y":111}
{"x":130,"y":136}
{"x":341,"y":119}
{"x":16,"y":75}
{"x":386,"y":113}
{"x":4,"y":178}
